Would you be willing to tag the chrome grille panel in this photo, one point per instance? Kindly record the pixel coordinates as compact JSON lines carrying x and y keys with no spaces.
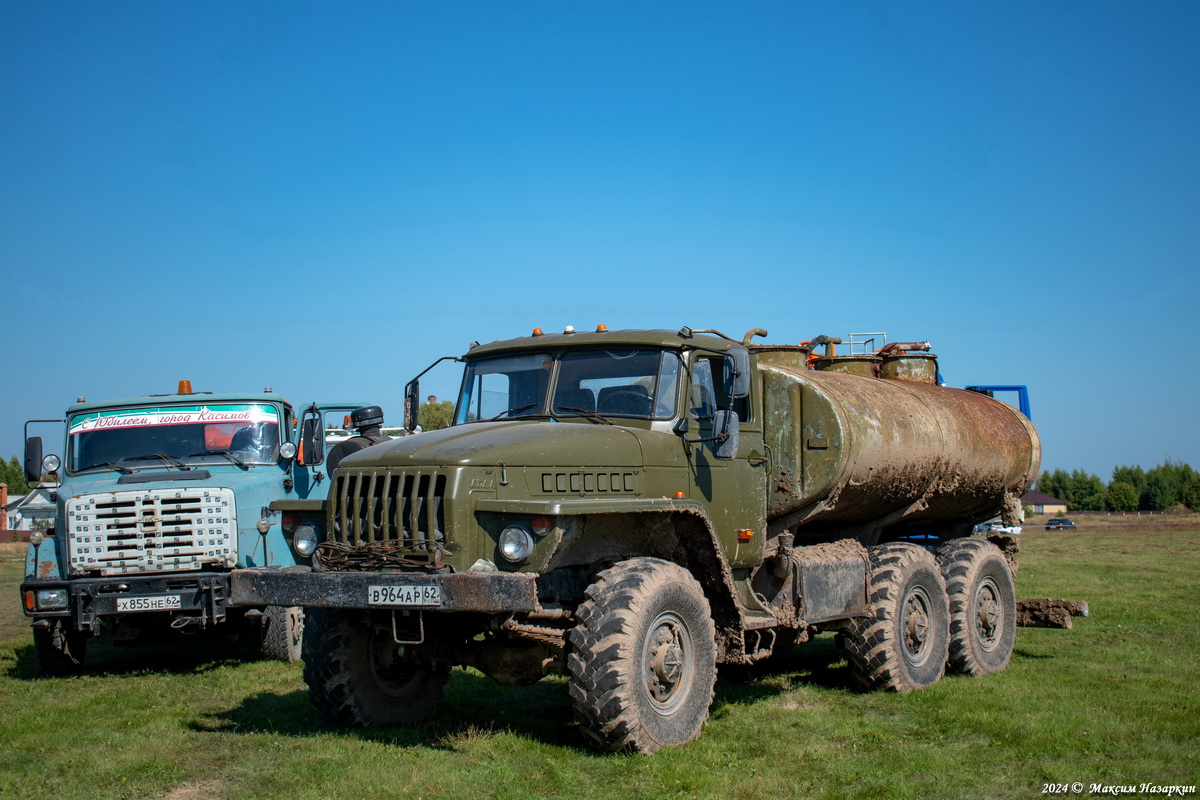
{"x":151,"y":530}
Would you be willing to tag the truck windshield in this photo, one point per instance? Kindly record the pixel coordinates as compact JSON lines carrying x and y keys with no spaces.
{"x":504,"y":386}
{"x":639,"y":383}
{"x":173,"y":436}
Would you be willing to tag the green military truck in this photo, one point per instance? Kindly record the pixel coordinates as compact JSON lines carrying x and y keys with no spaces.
{"x":634,"y":508}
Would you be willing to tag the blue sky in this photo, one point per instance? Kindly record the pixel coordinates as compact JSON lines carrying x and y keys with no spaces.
{"x":325,"y":197}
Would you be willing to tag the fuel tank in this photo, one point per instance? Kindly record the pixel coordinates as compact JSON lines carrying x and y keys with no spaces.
{"x":853,"y":450}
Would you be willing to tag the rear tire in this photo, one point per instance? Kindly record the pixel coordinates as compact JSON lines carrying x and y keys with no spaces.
{"x":983,"y":606}
{"x":60,"y":649}
{"x":282,"y":633}
{"x":643,"y":660}
{"x":902,"y":646}
{"x":358,"y":677}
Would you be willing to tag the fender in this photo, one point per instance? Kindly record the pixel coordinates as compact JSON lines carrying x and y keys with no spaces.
{"x":604,"y":530}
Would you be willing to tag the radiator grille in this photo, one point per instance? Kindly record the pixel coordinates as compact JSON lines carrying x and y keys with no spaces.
{"x":402,"y":508}
{"x":152,"y":531}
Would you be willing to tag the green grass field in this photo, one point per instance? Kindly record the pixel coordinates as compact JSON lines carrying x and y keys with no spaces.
{"x":1113,"y":701}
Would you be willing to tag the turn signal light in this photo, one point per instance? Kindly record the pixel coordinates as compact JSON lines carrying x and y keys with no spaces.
{"x":29,"y":601}
{"x":745,"y":535}
{"x":680,"y":495}
{"x":541,"y":525}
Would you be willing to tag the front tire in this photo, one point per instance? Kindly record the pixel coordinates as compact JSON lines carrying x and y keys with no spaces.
{"x":60,"y":649}
{"x":983,"y":606}
{"x":282,"y":633}
{"x":643,"y":660}
{"x":358,"y":677}
{"x":902,"y":646}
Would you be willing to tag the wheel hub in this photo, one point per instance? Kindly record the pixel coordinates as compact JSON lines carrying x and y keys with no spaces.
{"x":987,"y":615}
{"x":915,"y":626}
{"x":667,"y":669}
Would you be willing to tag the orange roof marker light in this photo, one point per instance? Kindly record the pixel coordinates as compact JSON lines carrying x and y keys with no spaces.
{"x":680,"y":495}
{"x":185,"y":387}
{"x":537,"y":331}
{"x":601,"y":328}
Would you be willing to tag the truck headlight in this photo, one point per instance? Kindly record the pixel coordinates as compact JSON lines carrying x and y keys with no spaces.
{"x":49,"y":599}
{"x":516,"y":544}
{"x":306,"y":539}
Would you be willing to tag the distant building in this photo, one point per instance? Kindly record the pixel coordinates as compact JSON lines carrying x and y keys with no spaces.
{"x":1044,"y":503}
{"x":22,"y":512}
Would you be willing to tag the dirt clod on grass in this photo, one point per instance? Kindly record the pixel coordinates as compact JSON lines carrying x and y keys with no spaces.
{"x":1048,"y":613}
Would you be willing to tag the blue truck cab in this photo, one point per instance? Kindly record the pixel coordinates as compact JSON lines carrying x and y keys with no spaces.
{"x":159,"y":499}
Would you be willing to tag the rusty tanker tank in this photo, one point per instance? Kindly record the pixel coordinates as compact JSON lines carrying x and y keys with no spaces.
{"x":880,"y":444}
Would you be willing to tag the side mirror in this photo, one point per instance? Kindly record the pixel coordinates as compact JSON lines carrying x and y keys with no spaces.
{"x":412,"y":404}
{"x":724,"y":438}
{"x":725,"y":435}
{"x":737,"y":373}
{"x":312,"y":438}
{"x":33,"y":459}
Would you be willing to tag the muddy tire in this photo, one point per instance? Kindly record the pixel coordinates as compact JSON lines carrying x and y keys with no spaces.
{"x":358,"y":677}
{"x":902,"y":645}
{"x":60,"y":649}
{"x":983,"y":606}
{"x":643,"y":657}
{"x":281,"y":633}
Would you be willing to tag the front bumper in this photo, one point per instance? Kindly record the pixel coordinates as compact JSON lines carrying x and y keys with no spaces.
{"x":203,"y":595}
{"x":489,"y":592}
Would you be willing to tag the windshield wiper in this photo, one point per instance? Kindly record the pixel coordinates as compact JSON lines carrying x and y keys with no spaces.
{"x":587,"y":412}
{"x":175,"y":462}
{"x":118,"y":467}
{"x":225,"y":453}
{"x":509,"y":411}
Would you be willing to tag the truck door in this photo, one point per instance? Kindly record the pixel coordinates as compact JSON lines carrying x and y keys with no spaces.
{"x":734,"y":490}
{"x":313,"y":444}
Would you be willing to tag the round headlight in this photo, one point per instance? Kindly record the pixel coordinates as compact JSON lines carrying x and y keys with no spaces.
{"x":516,"y":544}
{"x":35,"y":538}
{"x":51,"y":464}
{"x":306,"y":539}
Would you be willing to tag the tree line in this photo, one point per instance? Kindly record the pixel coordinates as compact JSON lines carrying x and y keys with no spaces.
{"x":1166,"y":486}
{"x":12,"y":473}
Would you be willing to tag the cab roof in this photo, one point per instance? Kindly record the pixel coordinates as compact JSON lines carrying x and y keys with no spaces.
{"x":193,"y":398}
{"x":625,"y":338}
